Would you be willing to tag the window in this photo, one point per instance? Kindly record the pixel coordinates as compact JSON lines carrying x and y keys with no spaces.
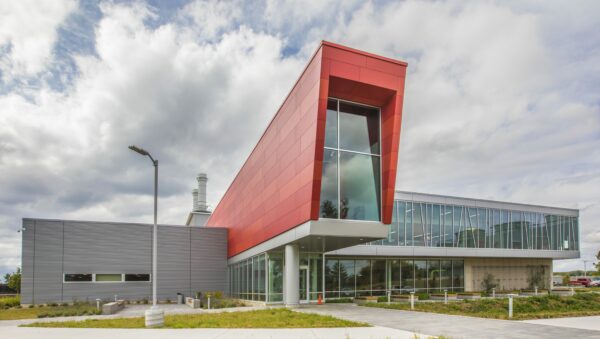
{"x":362,"y":270}
{"x":332,"y":278}
{"x":105,"y":277}
{"x":329,"y":185}
{"x":275,"y":276}
{"x":358,"y":128}
{"x":420,"y":275}
{"x":109,"y":277}
{"x":433,"y":275}
{"x":378,"y":282}
{"x":87,"y":277}
{"x":351,"y":179}
{"x":347,"y":283}
{"x":137,"y":277}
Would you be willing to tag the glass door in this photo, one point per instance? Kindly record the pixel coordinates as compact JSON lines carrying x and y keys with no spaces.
{"x":304,"y":284}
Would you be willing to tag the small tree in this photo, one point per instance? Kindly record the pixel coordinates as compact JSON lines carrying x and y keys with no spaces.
{"x":13,"y":280}
{"x":566,"y":279}
{"x":598,"y":263}
{"x":328,"y":210}
{"x":489,"y":282}
{"x":536,"y":277}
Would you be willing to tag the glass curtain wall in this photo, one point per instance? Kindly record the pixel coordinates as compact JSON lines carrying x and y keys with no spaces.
{"x":261,"y":277}
{"x":350,"y":185}
{"x":438,"y":225}
{"x":352,"y":277}
{"x":247,"y":279}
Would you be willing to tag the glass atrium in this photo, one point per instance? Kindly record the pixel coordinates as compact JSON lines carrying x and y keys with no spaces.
{"x":437,"y":225}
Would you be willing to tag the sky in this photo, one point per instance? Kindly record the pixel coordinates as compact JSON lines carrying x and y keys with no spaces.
{"x":502,"y":100}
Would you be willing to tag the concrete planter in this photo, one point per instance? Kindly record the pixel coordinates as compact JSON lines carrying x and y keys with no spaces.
{"x":113,"y":307}
{"x":468,"y":296}
{"x":364,"y":300}
{"x":193,"y":303}
{"x":563,"y":293}
{"x":532,"y":293}
{"x":403,"y":298}
{"x":441,"y":296}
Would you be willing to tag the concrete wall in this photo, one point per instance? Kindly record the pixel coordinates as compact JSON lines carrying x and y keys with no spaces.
{"x":512,"y":274}
{"x":190,"y":259}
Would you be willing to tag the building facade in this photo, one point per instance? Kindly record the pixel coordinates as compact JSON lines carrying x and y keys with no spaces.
{"x":314,"y":212}
{"x":65,"y":261}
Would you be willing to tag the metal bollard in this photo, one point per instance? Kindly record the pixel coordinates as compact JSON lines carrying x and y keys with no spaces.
{"x":510,"y":306}
{"x":445,"y":296}
{"x":389,"y":295}
{"x":536,"y":290}
{"x":412,"y":300}
{"x":493,"y":292}
{"x":98,"y":304}
{"x":115,"y":298}
{"x":209,"y":302}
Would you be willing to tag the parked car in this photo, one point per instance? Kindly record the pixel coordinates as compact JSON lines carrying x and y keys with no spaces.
{"x":581,"y":282}
{"x":595,"y":282}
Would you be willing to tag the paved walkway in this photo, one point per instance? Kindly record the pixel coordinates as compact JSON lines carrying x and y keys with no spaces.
{"x":13,"y":332}
{"x":9,"y":328}
{"x":449,"y":325}
{"x":589,"y":323}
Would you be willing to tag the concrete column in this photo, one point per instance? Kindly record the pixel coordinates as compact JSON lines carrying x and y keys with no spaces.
{"x":291,"y":288}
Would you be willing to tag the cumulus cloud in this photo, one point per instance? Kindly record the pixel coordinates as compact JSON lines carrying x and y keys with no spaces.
{"x":28,"y":31}
{"x":489,"y":111}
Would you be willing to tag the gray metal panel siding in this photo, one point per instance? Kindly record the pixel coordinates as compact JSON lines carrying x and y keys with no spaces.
{"x":107,"y":248}
{"x":48,"y":261}
{"x":96,"y":247}
{"x":173,"y":262}
{"x":209,"y":259}
{"x":27,"y":261}
{"x":92,"y":247}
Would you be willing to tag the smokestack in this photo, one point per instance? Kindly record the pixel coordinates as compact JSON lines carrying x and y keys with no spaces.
{"x":201,"y":199}
{"x":195,"y":199}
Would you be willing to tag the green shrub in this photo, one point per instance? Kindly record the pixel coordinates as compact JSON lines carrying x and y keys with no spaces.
{"x":9,"y":302}
{"x":422,"y":296}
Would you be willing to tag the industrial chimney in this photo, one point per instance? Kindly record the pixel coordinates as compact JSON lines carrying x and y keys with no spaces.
{"x":199,"y":194}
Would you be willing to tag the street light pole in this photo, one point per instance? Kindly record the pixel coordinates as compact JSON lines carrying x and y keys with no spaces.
{"x":154,"y":316}
{"x":155,"y":234}
{"x":585,"y":268}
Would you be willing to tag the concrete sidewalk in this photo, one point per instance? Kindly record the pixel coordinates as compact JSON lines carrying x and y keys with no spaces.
{"x":10,"y":329}
{"x":588,"y":323}
{"x":13,"y":332}
{"x":449,"y":325}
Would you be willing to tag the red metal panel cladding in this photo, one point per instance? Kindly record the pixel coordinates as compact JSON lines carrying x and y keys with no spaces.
{"x":279,"y":186}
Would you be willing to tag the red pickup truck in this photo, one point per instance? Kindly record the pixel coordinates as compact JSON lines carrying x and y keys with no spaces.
{"x":581,"y":281}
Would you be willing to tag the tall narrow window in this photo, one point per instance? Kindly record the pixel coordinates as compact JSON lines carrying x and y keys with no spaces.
{"x":351,"y":180}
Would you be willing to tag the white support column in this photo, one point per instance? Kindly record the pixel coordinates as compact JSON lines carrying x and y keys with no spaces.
{"x":291,"y":288}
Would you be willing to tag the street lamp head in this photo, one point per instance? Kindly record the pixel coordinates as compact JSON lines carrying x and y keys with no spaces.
{"x":138,"y":150}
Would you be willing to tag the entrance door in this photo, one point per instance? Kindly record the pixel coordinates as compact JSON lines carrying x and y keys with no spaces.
{"x":304,"y":285}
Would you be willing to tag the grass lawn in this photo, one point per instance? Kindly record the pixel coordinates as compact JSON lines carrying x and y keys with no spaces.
{"x":273,"y":318}
{"x":549,"y":306}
